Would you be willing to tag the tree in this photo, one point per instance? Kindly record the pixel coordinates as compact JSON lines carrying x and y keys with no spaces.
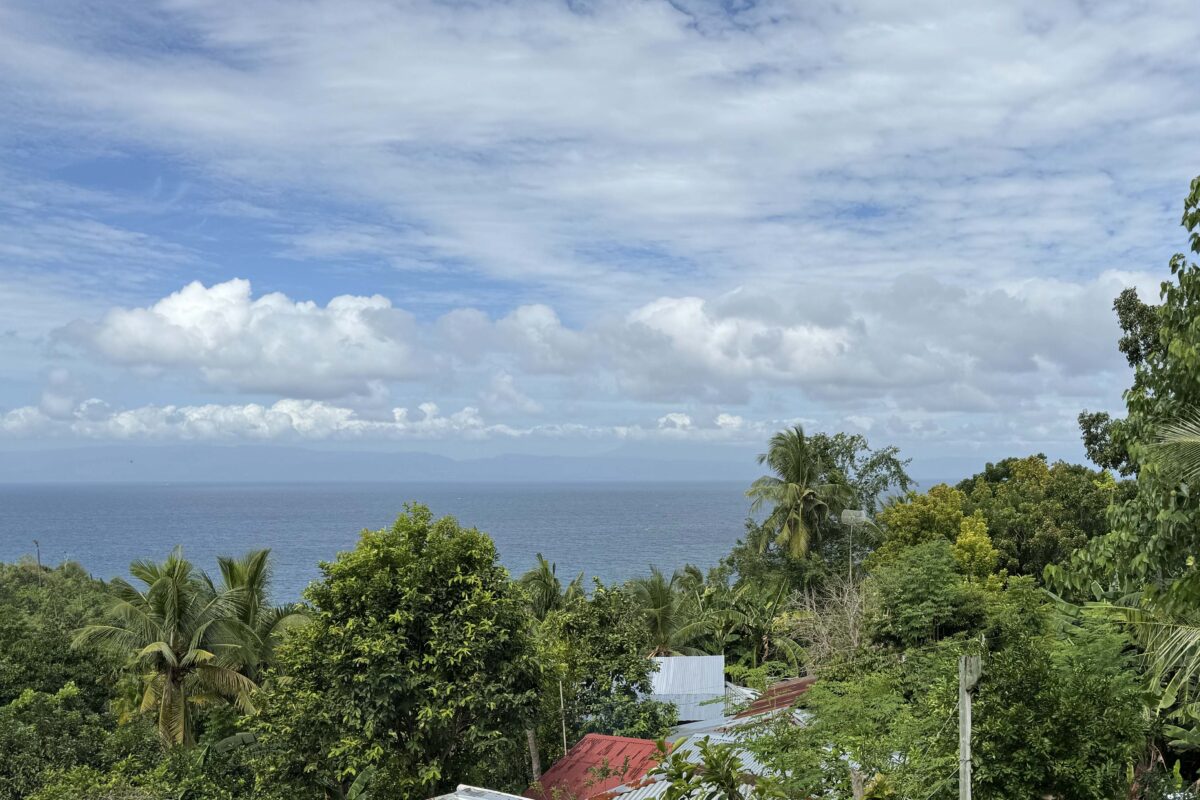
{"x":848,"y":458}
{"x":40,"y":608}
{"x":1039,"y":513}
{"x":673,"y":616}
{"x":178,"y":632}
{"x":936,"y":515}
{"x":1140,"y":343}
{"x":1059,"y":713}
{"x":595,"y":674}
{"x":1155,"y":532}
{"x":417,"y":663}
{"x":41,"y":733}
{"x":919,"y":596}
{"x":545,"y":590}
{"x":801,"y":493}
{"x":258,"y":624}
{"x":717,"y":775}
{"x":973,"y":551}
{"x":764,"y":624}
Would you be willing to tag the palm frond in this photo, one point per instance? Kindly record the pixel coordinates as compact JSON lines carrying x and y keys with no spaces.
{"x":1178,"y":446}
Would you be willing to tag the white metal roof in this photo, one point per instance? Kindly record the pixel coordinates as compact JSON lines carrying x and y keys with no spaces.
{"x":464,"y":792}
{"x":695,"y":684}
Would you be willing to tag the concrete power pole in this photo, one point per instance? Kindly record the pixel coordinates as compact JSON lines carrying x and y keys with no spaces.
{"x":969,"y":670}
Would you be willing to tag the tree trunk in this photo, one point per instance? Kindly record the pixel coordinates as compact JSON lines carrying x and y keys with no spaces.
{"x":857,"y":784}
{"x":535,"y":760}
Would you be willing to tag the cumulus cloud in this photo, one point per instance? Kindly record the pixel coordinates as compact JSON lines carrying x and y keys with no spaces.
{"x":917,"y":343}
{"x":266,"y":344}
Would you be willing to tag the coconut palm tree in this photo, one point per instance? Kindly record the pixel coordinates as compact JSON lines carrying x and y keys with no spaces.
{"x":674,"y":619}
{"x":1178,"y":446}
{"x":176,"y":631}
{"x":259,"y":626}
{"x":545,"y":590}
{"x":799,"y":493}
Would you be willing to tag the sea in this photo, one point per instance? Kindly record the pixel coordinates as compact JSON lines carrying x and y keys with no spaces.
{"x":611,"y":531}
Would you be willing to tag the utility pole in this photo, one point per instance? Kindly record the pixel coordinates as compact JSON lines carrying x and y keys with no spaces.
{"x":969,"y":670}
{"x":562,"y":707}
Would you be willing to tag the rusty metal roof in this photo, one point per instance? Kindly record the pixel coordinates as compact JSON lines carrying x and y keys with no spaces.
{"x":595,"y":765}
{"x":778,"y":696}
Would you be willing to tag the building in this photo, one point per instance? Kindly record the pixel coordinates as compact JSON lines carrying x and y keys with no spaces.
{"x":464,"y":792}
{"x":695,"y":684}
{"x":595,"y":765}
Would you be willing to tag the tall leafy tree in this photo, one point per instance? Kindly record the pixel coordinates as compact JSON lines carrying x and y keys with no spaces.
{"x":1039,"y":513}
{"x":177,"y":632}
{"x":1156,"y":532}
{"x":800,"y":493}
{"x":1146,"y":563}
{"x":417,"y":663}
{"x":870,"y":473}
{"x":595,"y":674}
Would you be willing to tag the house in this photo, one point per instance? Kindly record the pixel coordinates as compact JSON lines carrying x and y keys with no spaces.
{"x":651,"y":786}
{"x":778,"y":697}
{"x":595,"y":765}
{"x":464,"y":792}
{"x":695,"y":684}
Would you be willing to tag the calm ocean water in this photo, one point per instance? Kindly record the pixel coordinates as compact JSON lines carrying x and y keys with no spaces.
{"x":611,"y":531}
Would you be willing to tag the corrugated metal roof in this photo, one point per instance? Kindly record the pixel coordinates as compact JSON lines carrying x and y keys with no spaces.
{"x":658,"y":789}
{"x":781,"y":695}
{"x":690,"y":747}
{"x":652,"y":787}
{"x":464,"y":792}
{"x":695,"y":684}
{"x":717,"y":725}
{"x":737,"y":695}
{"x":575,"y":775}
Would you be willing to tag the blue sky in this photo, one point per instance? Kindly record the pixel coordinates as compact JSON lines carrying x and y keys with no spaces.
{"x":536,"y":227}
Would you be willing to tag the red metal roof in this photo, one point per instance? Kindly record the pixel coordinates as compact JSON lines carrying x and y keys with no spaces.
{"x":595,"y":765}
{"x":781,"y":695}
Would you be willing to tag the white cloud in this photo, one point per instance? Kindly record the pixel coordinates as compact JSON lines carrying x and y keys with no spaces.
{"x":918,"y":344}
{"x":264,"y":344}
{"x":544,"y":142}
{"x":914,"y":214}
{"x":314,"y":420}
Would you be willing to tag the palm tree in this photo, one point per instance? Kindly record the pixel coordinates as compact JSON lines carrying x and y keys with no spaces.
{"x":799,"y":493}
{"x":177,"y":634}
{"x":1178,"y":446}
{"x":545,"y":590}
{"x":259,"y":626}
{"x":674,"y":619}
{"x":759,"y":613}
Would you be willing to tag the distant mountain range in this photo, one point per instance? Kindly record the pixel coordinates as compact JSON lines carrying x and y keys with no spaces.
{"x":269,"y":463}
{"x":173,"y":463}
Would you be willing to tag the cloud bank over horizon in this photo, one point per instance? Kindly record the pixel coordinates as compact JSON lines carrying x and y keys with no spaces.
{"x":532,"y":225}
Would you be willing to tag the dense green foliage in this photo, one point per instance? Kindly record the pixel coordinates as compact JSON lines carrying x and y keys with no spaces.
{"x":40,"y":609}
{"x":417,"y":663}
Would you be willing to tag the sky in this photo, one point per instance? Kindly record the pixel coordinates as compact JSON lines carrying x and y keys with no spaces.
{"x":582,"y":227}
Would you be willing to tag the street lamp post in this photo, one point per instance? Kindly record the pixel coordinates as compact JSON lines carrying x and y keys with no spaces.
{"x":851,"y":517}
